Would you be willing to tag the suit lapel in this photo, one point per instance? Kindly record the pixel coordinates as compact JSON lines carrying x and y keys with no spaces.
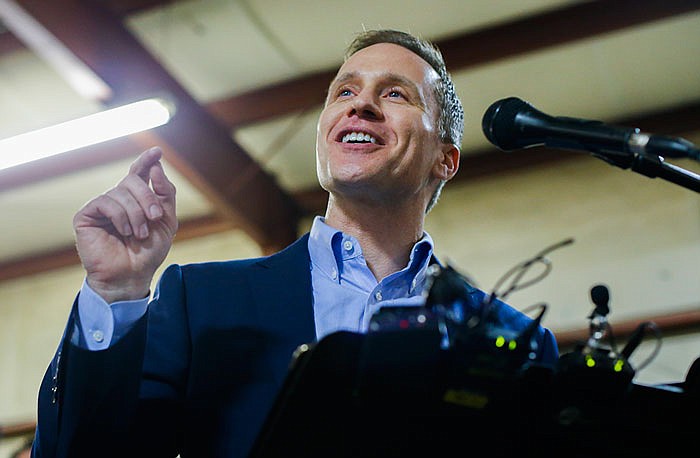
{"x":281,"y":284}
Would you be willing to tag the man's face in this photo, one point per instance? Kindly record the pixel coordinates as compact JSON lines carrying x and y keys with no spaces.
{"x":377,"y":136}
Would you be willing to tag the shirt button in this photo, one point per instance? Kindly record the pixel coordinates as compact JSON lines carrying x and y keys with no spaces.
{"x":334,"y":274}
{"x":347,"y":245}
{"x":98,"y":336}
{"x":413,"y":284}
{"x":378,"y":295}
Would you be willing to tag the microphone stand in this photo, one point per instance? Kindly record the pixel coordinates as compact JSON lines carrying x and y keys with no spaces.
{"x":652,"y":166}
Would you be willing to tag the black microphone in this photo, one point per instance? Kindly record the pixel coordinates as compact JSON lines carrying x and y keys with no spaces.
{"x":600,"y":295}
{"x":512,"y":124}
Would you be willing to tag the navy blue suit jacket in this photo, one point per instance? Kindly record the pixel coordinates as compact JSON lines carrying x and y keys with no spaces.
{"x":208,"y":394}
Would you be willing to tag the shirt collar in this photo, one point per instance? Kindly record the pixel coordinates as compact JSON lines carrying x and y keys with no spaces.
{"x":321,"y":252}
{"x":327,"y":252}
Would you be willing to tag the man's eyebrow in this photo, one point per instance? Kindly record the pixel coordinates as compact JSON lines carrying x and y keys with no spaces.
{"x":401,"y":81}
{"x":389,"y":77}
{"x":344,"y":78}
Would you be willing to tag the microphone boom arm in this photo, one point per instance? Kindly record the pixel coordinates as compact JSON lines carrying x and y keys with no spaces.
{"x":652,"y":166}
{"x":512,"y":124}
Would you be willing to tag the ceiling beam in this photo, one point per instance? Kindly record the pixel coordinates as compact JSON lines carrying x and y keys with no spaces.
{"x":291,"y":96}
{"x":67,"y":256}
{"x":276,"y":100}
{"x":125,"y":7}
{"x":558,"y":27}
{"x":517,"y":37}
{"x":9,"y":43}
{"x":520,"y":36}
{"x":201,"y":148}
{"x":491,"y":161}
{"x":480,"y":165}
{"x":463,"y":51}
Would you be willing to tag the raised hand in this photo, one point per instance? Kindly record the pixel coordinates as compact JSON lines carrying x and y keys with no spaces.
{"x":124,"y":235}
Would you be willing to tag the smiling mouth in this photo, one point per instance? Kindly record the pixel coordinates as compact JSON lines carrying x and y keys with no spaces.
{"x":358,"y":137}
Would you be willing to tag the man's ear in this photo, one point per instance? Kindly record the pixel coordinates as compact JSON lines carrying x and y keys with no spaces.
{"x":448,"y":162}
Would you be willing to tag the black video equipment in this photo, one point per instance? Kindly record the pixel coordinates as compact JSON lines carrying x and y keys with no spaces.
{"x":451,"y":375}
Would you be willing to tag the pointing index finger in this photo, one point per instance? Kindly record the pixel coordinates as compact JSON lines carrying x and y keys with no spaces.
{"x":142,"y":165}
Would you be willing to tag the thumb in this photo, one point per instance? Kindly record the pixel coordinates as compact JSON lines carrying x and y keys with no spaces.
{"x":160,"y":182}
{"x":142,"y":165}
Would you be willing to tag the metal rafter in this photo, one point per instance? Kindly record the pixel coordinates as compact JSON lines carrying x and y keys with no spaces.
{"x":199,"y":146}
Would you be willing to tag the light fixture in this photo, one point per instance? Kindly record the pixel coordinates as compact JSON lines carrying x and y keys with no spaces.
{"x":43,"y":43}
{"x":85,"y":131}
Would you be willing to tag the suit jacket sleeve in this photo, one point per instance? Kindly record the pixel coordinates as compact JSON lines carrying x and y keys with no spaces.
{"x":76,"y":414}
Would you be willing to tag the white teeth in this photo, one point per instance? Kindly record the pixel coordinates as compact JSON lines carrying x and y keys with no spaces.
{"x":358,"y":137}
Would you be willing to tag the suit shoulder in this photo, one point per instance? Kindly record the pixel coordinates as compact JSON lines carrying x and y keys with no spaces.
{"x":296,"y":249}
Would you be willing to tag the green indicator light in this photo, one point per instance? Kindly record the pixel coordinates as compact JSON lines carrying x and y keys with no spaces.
{"x":512,"y":344}
{"x":590,"y":362}
{"x":619,"y":364}
{"x":500,"y":341}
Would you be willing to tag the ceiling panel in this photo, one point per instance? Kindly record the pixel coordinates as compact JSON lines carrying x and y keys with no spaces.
{"x":220,"y":47}
{"x":300,"y":24}
{"x":214,"y":48}
{"x":33,"y":95}
{"x":285,"y":147}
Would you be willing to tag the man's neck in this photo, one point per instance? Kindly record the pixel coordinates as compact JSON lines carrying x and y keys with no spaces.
{"x":386,"y":234}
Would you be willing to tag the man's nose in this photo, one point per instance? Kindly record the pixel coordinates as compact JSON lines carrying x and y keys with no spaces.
{"x":365,"y":105}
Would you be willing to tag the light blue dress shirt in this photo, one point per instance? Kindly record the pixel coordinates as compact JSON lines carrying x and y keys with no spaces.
{"x":345,"y":292}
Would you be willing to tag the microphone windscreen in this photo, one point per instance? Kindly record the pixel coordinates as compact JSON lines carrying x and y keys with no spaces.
{"x":498,"y":122}
{"x":600,"y":295}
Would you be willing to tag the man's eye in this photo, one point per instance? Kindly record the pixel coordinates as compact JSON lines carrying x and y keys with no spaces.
{"x":394,"y":94}
{"x":344,"y":93}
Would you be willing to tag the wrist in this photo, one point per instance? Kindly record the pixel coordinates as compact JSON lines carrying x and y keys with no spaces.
{"x":112,"y":292}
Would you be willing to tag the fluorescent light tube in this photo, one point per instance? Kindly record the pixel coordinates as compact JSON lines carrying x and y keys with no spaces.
{"x":85,"y":131}
{"x":46,"y":45}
